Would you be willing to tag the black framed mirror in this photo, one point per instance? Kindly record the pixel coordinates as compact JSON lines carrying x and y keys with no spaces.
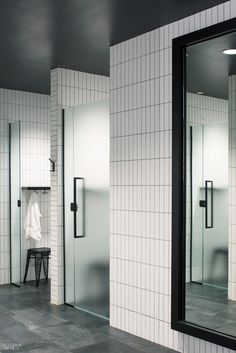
{"x":204,"y":184}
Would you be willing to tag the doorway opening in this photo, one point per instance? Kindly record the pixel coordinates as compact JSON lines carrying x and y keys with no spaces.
{"x":28,"y":179}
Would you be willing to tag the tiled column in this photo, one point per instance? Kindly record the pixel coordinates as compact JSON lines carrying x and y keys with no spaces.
{"x":232,"y":187}
{"x":68,"y":88}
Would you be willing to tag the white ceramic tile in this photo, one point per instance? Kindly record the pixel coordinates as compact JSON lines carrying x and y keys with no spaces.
{"x":147,"y":214}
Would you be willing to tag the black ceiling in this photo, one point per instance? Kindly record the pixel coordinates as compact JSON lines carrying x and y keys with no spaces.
{"x":37,"y":35}
{"x":208,"y":68}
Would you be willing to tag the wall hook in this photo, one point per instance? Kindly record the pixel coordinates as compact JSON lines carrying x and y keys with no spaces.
{"x":52,"y":165}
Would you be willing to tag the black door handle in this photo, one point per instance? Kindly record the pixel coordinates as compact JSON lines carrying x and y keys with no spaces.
{"x":202,"y":203}
{"x":209,"y":200}
{"x":73,"y":207}
{"x":205,"y":203}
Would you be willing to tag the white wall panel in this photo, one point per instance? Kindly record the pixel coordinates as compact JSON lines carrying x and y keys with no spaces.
{"x":140,"y":206}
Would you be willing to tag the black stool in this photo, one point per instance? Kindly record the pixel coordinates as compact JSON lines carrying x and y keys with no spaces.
{"x":40,"y":255}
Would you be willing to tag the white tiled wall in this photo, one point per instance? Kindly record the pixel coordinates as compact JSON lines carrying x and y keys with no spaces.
{"x":140,"y":240}
{"x":35,"y":148}
{"x":68,"y":88}
{"x":33,"y":112}
{"x":232,"y":188}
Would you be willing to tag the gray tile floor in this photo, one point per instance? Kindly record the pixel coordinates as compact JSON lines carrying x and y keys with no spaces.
{"x":28,"y":323}
{"x":210,"y":307}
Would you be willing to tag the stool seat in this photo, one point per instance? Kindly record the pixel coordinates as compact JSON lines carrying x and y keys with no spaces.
{"x":39,"y":250}
{"x":40,"y":255}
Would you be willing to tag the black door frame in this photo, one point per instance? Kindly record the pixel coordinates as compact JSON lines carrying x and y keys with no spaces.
{"x":178,"y":322}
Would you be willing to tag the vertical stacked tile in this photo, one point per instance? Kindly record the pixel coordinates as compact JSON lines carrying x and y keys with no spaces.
{"x":68,"y":88}
{"x":232,"y":187}
{"x":233,"y":8}
{"x":140,"y":239}
{"x":33,"y":111}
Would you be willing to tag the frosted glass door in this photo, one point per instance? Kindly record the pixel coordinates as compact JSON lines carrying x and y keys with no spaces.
{"x":210,"y":203}
{"x":215,"y":185}
{"x":15,"y":211}
{"x":197,"y":194}
{"x":86,"y":146}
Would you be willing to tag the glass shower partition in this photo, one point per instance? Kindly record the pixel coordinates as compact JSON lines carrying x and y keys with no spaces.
{"x":15,"y":203}
{"x":86,"y":207}
{"x":209,"y":204}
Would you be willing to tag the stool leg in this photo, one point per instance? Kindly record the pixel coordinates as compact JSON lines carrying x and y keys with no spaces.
{"x":38,"y":265}
{"x":27,"y":267}
{"x":45,"y":266}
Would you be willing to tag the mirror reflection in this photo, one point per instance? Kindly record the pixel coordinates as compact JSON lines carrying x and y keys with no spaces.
{"x":211,"y":184}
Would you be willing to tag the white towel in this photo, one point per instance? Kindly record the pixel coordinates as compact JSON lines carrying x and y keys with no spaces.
{"x":32,"y":221}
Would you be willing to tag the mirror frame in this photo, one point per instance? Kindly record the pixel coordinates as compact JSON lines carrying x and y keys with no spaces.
{"x":178,"y":322}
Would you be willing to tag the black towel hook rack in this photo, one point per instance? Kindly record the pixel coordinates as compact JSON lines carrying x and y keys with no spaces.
{"x":37,"y":188}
